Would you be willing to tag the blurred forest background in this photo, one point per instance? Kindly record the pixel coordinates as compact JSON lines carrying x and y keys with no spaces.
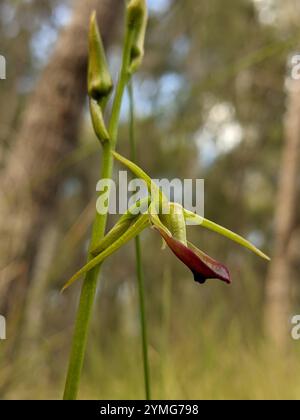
{"x":214,"y":100}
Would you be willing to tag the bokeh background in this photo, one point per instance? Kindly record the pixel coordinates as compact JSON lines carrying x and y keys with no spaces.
{"x":214,"y":100}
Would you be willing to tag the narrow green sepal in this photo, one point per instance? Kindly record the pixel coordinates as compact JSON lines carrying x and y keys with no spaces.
{"x":201,"y":221}
{"x":124,"y":223}
{"x":140,"y":223}
{"x":118,"y":230}
{"x":156,"y":194}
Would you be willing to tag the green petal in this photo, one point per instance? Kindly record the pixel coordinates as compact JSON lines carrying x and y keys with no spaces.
{"x":174,"y":220}
{"x":198,"y":220}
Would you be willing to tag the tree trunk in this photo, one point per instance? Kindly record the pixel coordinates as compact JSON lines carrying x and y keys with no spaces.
{"x":278,"y":285}
{"x":48,"y":133}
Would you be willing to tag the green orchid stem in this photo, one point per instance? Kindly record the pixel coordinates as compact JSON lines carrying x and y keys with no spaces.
{"x":139,"y":264}
{"x":88,"y":291}
{"x":143,"y":318}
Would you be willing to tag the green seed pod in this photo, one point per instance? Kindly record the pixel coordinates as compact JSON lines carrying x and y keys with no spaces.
{"x":100,"y":82}
{"x":98,"y":121}
{"x":175,"y":222}
{"x":137,"y":17}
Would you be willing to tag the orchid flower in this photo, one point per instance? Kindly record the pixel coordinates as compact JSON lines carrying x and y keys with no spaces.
{"x":169,"y":219}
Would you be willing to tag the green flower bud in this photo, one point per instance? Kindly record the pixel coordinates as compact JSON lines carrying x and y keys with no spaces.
{"x":100,"y":82}
{"x":137,"y":17}
{"x":98,"y":121}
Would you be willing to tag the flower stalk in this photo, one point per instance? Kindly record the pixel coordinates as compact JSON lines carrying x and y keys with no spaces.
{"x":99,"y":87}
{"x":138,"y":256}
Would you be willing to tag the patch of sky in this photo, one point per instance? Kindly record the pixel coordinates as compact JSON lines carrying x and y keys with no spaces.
{"x":61,"y":15}
{"x":257,"y":238}
{"x":158,"y":6}
{"x":153,"y":96}
{"x":266,"y":11}
{"x":8,"y":21}
{"x":169,"y":87}
{"x":181,"y":47}
{"x":220,"y":134}
{"x":43,"y":41}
